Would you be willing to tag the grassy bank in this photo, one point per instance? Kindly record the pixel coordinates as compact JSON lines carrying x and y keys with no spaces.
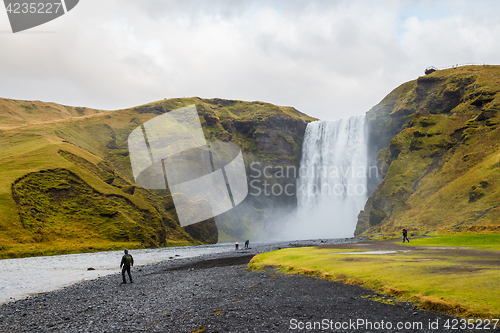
{"x":462,"y":281}
{"x":74,"y":246}
{"x":485,"y":242}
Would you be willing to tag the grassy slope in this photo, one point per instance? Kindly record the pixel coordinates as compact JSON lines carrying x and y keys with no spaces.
{"x":46,"y":221}
{"x":442,"y":167}
{"x":16,"y":113}
{"x":463,"y":285}
{"x":88,"y":201}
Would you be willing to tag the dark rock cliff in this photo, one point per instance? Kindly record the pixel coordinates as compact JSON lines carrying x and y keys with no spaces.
{"x":270,"y":138}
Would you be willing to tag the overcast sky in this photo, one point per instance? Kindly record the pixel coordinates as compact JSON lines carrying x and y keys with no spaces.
{"x":329,"y":59}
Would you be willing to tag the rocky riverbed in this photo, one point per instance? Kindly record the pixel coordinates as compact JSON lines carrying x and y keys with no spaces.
{"x":214,"y":293}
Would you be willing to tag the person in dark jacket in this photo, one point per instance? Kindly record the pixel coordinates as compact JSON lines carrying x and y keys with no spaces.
{"x":127,"y":262}
{"x":405,"y":235}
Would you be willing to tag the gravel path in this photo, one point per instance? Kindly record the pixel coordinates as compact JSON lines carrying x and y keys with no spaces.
{"x":213,"y":293}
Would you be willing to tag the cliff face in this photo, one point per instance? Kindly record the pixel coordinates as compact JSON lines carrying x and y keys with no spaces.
{"x":435,"y":141}
{"x":270,"y":137}
{"x":66,"y":183}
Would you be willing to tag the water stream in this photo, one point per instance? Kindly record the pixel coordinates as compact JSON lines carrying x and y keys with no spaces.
{"x":24,"y":276}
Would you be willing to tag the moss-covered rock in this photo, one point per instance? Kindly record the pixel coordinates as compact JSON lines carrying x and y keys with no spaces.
{"x":57,"y":203}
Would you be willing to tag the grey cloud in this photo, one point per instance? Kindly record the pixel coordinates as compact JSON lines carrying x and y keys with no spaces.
{"x":329,"y":59}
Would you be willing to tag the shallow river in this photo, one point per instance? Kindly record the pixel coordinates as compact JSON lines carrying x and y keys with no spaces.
{"x":22,"y":277}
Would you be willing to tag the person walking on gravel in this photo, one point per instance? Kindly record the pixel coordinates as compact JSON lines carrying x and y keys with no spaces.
{"x":405,"y":235}
{"x":127,"y":262}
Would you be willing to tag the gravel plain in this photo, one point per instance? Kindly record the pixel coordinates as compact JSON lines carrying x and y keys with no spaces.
{"x":215,"y":293}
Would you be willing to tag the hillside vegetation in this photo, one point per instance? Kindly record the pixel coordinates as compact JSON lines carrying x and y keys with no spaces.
{"x":438,"y":141}
{"x":66,"y":183}
{"x":15,"y":113}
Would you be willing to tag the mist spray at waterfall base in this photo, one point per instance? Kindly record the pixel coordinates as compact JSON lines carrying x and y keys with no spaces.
{"x":332,"y":184}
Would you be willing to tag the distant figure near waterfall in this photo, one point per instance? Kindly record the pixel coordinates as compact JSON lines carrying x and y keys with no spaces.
{"x":127,"y":262}
{"x":236,"y":245}
{"x":405,"y":235}
{"x":247,"y":243}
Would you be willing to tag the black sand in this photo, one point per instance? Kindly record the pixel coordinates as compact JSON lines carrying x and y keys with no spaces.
{"x":214,"y":293}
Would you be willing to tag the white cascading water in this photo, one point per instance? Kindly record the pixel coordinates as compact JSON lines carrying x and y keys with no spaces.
{"x":332,"y":185}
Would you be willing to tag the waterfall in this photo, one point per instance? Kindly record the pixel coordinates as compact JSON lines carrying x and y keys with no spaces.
{"x":332,"y":184}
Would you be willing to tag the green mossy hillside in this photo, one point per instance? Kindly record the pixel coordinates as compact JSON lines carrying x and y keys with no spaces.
{"x":55,"y":203}
{"x":58,"y":198}
{"x":438,"y":141}
{"x":66,"y":183}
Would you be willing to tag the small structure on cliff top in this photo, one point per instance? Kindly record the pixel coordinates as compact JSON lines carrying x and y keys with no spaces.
{"x":430,"y":70}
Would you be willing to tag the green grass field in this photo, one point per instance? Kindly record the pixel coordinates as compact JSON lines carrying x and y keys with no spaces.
{"x":459,"y":281}
{"x":485,"y":242}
